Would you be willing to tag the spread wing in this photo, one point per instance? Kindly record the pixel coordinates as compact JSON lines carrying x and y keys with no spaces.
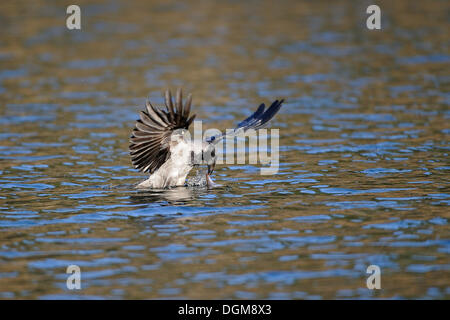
{"x":149,"y":141}
{"x":257,"y":120}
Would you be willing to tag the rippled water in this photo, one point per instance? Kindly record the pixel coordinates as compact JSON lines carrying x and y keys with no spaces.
{"x":364,"y":143}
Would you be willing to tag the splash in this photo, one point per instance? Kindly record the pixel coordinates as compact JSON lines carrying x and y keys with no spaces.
{"x":199,"y":179}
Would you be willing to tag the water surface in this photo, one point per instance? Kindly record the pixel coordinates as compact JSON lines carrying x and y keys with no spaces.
{"x":364,"y":143}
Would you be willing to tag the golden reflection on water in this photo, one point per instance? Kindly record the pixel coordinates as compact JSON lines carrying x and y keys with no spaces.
{"x":363,"y":143}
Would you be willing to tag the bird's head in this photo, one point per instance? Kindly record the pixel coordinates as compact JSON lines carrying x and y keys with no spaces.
{"x":205,"y":155}
{"x":210,"y":157}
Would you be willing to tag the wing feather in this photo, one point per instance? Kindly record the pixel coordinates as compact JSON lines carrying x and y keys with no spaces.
{"x":153,"y":114}
{"x":187,"y":106}
{"x":146,"y":127}
{"x":179,"y":104}
{"x":169,"y":104}
{"x":255,"y":121}
{"x":149,"y":121}
{"x":149,"y":140}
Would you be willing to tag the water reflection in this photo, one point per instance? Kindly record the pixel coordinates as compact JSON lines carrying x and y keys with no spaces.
{"x":174,"y":196}
{"x":364,"y":149}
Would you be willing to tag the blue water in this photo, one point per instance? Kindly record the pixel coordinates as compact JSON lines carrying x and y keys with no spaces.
{"x":364,"y":144}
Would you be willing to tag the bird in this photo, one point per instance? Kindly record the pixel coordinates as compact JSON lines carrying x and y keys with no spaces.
{"x":159,"y":143}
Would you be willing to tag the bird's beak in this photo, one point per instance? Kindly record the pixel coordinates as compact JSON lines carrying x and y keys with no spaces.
{"x":209,"y":181}
{"x":211,"y":168}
